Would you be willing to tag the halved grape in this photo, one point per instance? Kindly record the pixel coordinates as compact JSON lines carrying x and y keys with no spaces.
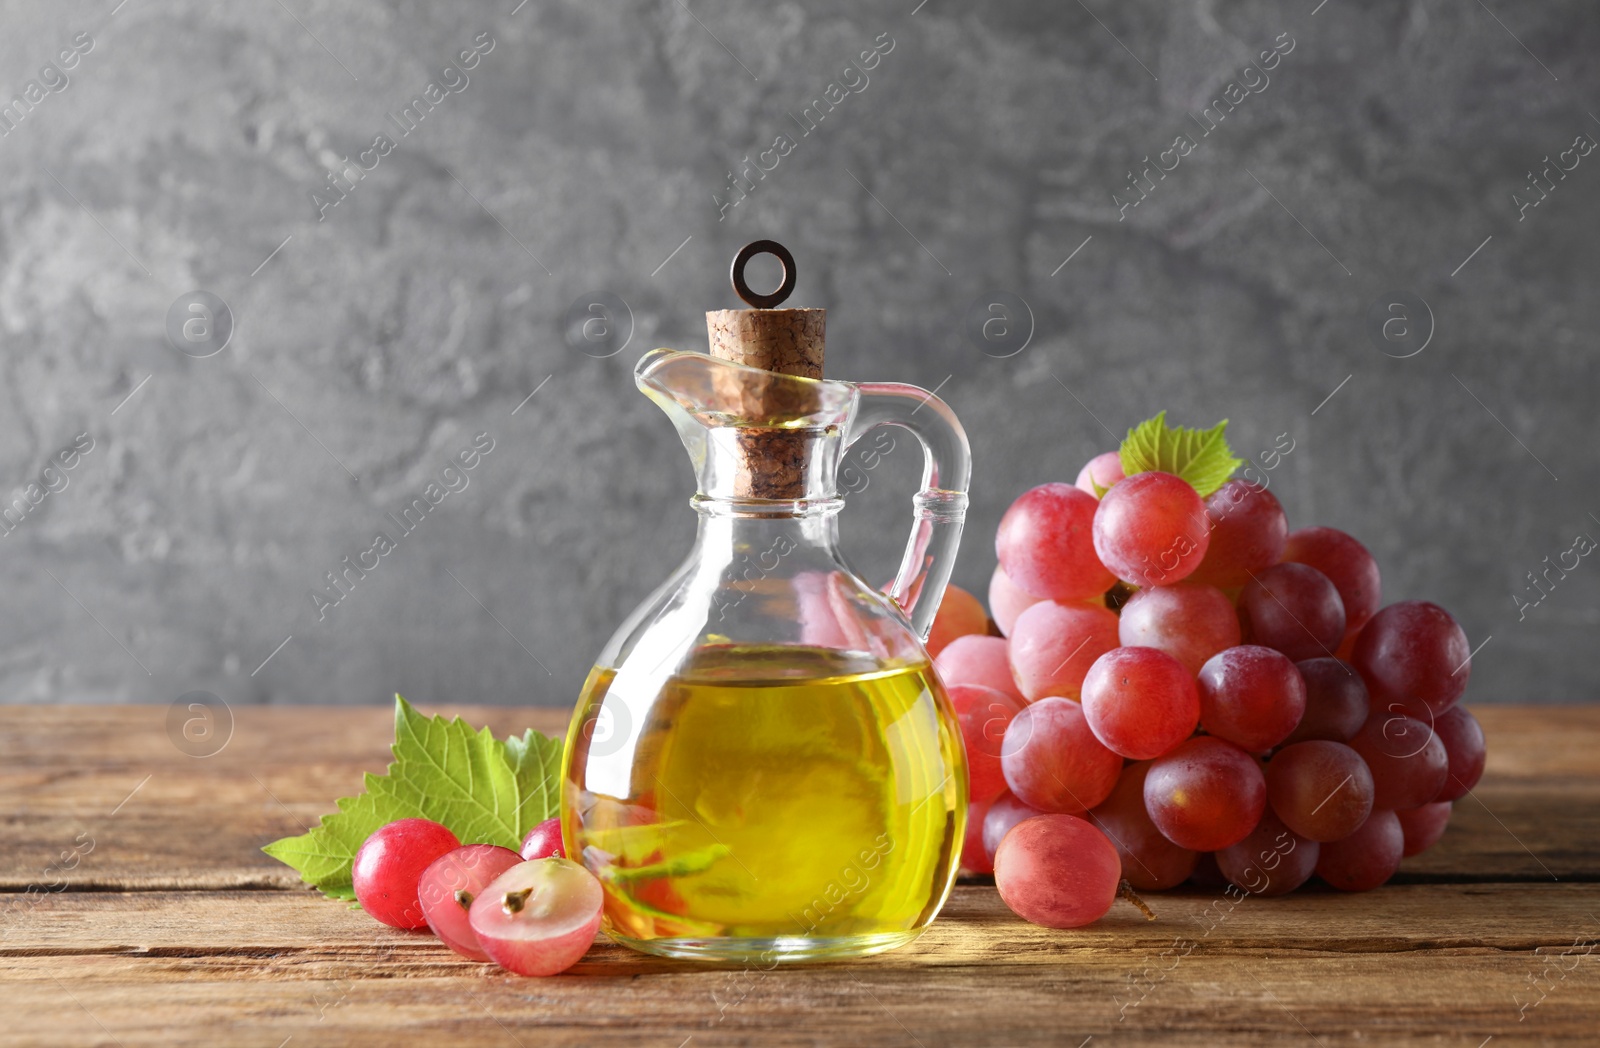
{"x":1188,"y":621}
{"x":1248,"y":528}
{"x":1206,"y":794}
{"x":1408,"y":760}
{"x":389,"y":864}
{"x":984,"y":715}
{"x":1272,"y":860}
{"x":1140,"y":702}
{"x":1053,"y":645}
{"x":1053,"y":762}
{"x":1365,"y":859}
{"x":1463,"y":744}
{"x":1058,"y":871}
{"x":1150,"y":862}
{"x":1336,"y":701}
{"x":1252,"y":696}
{"x":543,"y":841}
{"x":985,"y":661}
{"x":448,"y":886}
{"x":1423,"y":826}
{"x":1151,"y":529}
{"x":959,"y":615}
{"x":1321,"y":790}
{"x":1415,"y":654}
{"x":1007,"y":600}
{"x":1046,"y":545}
{"x":539,"y":917}
{"x":1004,"y":813}
{"x":1104,"y":469}
{"x":1293,"y":608}
{"x":974,"y":857}
{"x":1346,"y":563}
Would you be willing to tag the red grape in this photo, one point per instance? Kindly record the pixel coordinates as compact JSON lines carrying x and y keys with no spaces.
{"x":1046,"y":545}
{"x":1321,"y":790}
{"x":1424,"y":826}
{"x":959,"y":615}
{"x":1058,"y":871}
{"x":1408,"y":760}
{"x":1188,"y":621}
{"x":1054,"y":644}
{"x":1248,"y":527}
{"x":543,"y":841}
{"x":1272,"y":860}
{"x":389,"y":864}
{"x":1151,"y":529}
{"x":1366,"y":858}
{"x":1413,"y":653}
{"x":1252,"y":696}
{"x":1053,"y":762}
{"x":1150,"y":862}
{"x":450,"y":883}
{"x":983,"y":714}
{"x":1293,"y":608}
{"x":978,"y":660}
{"x":1463,"y":744}
{"x":1004,"y":813}
{"x":1008,"y":600}
{"x":1104,"y":469}
{"x":1207,"y":876}
{"x":1348,"y":565}
{"x":539,"y":917}
{"x":1140,"y":702}
{"x":1336,"y":701}
{"x":975,"y":858}
{"x":1206,"y":794}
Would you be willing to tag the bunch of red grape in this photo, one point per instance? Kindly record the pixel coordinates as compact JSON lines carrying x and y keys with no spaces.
{"x":1187,"y":690}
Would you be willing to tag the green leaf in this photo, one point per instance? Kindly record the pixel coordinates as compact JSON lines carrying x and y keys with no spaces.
{"x":485,"y":790}
{"x":1201,"y":457}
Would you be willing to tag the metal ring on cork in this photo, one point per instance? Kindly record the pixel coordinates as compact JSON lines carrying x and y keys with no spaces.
{"x":763,"y":247}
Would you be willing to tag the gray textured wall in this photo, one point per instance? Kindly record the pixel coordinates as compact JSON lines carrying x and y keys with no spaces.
{"x":584,"y":152}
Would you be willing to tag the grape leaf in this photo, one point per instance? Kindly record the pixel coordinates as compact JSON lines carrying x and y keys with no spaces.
{"x":485,"y":790}
{"x":1201,"y":457}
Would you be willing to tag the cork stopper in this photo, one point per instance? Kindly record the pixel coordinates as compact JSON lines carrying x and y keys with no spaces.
{"x":772,"y":460}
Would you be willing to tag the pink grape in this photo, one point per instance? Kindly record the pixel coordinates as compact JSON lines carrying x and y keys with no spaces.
{"x":1104,"y":469}
{"x":959,"y":615}
{"x":543,"y":841}
{"x":978,"y":660}
{"x":1054,"y":644}
{"x":1188,"y":621}
{"x":1321,"y":790}
{"x":1415,"y":654}
{"x":1057,"y":871}
{"x":448,"y":886}
{"x":1008,"y":600}
{"x":1151,"y":529}
{"x":1003,"y":814}
{"x":984,"y":715}
{"x":1408,"y":760}
{"x":1293,"y":608}
{"x":1053,"y":762}
{"x":1346,"y":563}
{"x":539,"y":917}
{"x":1150,"y":862}
{"x":1248,"y":530}
{"x":1463,"y":744}
{"x":1272,"y":860}
{"x":1046,"y":545}
{"x":1423,"y":826}
{"x":975,"y":858}
{"x":1205,"y":795}
{"x":389,"y":864}
{"x":1336,"y":701}
{"x":1365,"y":859}
{"x":1252,"y":696}
{"x":1140,"y":702}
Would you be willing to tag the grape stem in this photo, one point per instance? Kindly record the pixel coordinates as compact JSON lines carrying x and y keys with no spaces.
{"x":1125,"y":891}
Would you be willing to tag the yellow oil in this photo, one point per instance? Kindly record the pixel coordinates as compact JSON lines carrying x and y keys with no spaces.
{"x":778,"y":801}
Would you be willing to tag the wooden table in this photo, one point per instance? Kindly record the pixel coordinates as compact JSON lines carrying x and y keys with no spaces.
{"x":174,"y":928}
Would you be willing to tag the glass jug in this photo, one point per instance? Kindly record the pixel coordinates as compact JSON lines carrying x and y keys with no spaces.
{"x":762,"y":765}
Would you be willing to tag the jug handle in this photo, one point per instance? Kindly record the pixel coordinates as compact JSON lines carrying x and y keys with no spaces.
{"x":940,"y":507}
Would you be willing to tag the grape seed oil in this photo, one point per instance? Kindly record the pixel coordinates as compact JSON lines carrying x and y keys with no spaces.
{"x":767,"y":802}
